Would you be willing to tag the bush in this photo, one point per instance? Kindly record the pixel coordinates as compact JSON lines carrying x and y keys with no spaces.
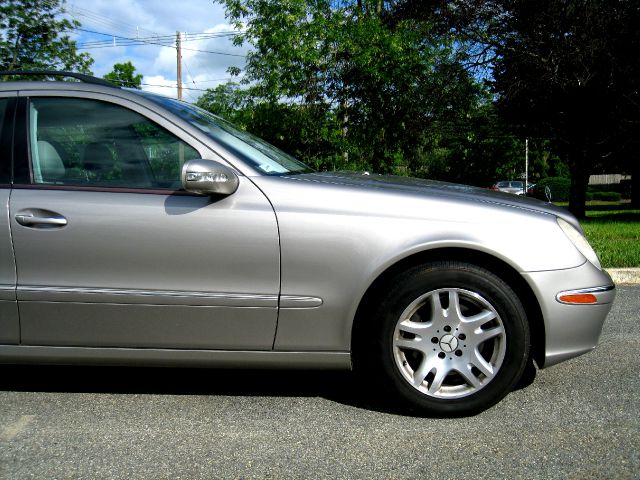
{"x":559,"y":187}
{"x":607,"y":196}
{"x":623,"y":188}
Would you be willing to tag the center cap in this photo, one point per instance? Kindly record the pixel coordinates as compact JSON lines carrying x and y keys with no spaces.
{"x":448,"y":343}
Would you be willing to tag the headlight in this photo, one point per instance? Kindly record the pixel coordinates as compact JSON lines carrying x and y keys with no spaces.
{"x":579,"y":242}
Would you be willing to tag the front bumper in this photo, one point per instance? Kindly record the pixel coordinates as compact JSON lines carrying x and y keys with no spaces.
{"x":571,"y":329}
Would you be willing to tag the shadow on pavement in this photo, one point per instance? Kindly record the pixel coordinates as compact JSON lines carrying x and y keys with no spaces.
{"x":337,"y":386}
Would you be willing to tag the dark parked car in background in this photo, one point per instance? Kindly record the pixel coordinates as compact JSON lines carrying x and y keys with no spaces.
{"x":511,"y":186}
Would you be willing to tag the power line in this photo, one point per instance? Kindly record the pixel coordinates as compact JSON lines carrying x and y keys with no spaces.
{"x":103,"y":20}
{"x":174,"y":86}
{"x":110,"y":23}
{"x":123,"y":82}
{"x":213,"y":80}
{"x":189,"y":37}
{"x":131,"y":41}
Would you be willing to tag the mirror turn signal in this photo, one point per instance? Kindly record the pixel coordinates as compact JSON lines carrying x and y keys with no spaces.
{"x":208,"y":177}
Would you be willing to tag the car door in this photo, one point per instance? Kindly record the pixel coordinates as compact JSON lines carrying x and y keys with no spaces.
{"x":110,"y":253}
{"x":9,"y":326}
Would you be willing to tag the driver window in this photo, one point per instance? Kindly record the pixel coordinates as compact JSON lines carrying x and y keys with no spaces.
{"x":93,"y":143}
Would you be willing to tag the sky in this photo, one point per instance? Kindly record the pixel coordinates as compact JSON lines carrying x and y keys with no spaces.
{"x":117,"y":31}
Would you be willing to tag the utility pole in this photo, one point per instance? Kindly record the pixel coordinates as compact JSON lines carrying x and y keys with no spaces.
{"x":179,"y":64}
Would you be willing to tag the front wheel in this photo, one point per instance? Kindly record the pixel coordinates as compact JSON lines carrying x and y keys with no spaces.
{"x":452,"y":338}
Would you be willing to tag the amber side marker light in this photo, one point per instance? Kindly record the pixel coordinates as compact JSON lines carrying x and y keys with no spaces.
{"x":582,"y":298}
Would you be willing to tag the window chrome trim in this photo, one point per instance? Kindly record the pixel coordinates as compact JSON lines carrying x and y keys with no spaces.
{"x":83,"y":188}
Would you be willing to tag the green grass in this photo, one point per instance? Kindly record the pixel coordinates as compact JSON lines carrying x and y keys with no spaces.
{"x":614,"y":234}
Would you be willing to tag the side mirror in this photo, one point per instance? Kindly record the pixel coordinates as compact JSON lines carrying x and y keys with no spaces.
{"x":208,"y":177}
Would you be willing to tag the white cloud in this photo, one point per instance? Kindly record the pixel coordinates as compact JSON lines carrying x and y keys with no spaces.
{"x":160,"y":85}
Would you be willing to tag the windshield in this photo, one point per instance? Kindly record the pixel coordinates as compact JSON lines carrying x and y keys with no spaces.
{"x":259,"y":154}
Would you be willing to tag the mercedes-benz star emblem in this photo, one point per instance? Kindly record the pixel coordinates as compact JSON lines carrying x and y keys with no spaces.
{"x":448,"y":343}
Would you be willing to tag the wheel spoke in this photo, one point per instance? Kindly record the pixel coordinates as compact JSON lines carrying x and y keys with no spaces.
{"x":468,"y":375}
{"x":485,"y":335}
{"x":437,"y":312}
{"x":481,"y":364}
{"x":476,"y":321}
{"x":415,"y":328}
{"x":426,"y":366}
{"x":436,"y":383}
{"x":454,"y":306}
{"x":410,"y":343}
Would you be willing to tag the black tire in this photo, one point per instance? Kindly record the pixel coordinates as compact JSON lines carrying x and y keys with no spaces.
{"x":470,"y":365}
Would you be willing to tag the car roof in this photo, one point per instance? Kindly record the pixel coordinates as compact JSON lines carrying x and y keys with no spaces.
{"x":56,"y":85}
{"x":127,"y":94}
{"x":57,"y":74}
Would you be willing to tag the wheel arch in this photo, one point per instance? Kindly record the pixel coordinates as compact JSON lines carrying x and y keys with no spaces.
{"x":481,"y":259}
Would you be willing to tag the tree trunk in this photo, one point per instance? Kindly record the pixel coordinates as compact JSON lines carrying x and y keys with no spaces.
{"x":579,"y":169}
{"x":344,"y":120}
{"x":578,"y":195}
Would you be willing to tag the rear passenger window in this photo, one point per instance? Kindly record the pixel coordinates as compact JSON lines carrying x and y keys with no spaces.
{"x":93,"y":143}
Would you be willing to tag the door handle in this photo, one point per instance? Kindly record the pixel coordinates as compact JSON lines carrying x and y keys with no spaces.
{"x":36,"y":218}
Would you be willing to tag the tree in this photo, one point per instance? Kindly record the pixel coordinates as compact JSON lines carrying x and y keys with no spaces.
{"x":31,"y":37}
{"x":568,"y":70}
{"x":564,"y":70}
{"x":309,"y":132}
{"x":123,"y":75}
{"x":228,"y":100}
{"x":383,"y":85}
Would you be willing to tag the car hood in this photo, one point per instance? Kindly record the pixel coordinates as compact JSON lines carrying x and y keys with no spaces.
{"x":433,"y":188}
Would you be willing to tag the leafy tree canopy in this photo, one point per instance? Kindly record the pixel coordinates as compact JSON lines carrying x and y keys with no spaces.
{"x":564,"y":70}
{"x":123,"y":74}
{"x":569,"y":71}
{"x":225,"y":100}
{"x":385,"y":83}
{"x":32,"y":37}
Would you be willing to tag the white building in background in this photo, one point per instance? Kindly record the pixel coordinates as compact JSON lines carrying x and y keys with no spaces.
{"x":608,"y":179}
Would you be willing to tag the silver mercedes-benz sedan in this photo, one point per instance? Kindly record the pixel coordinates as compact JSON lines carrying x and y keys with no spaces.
{"x":140,"y":230}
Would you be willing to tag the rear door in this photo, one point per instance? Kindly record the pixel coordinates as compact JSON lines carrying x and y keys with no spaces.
{"x":110,"y":253}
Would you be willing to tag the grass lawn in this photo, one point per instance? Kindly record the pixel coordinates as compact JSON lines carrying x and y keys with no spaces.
{"x":614,"y":233}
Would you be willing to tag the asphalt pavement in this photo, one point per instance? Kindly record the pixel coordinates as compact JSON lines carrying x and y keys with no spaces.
{"x":578,"y":420}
